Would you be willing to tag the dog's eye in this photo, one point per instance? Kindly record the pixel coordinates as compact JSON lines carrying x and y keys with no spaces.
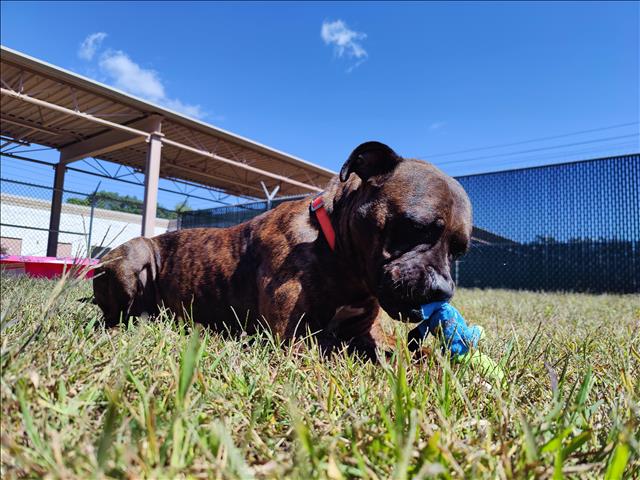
{"x":408,"y":233}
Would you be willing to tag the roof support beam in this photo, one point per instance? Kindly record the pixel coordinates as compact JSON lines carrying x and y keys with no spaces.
{"x":73,"y":113}
{"x":202,"y":174}
{"x":151,"y":178}
{"x":109,"y":141}
{"x":244,"y":166}
{"x":25,"y":124}
{"x":270,"y":194}
{"x":166,"y":141}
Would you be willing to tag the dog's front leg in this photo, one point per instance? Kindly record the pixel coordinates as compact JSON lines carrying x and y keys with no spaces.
{"x":359,"y":326}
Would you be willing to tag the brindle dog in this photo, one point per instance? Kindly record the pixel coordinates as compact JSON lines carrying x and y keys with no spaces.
{"x":399,"y":224}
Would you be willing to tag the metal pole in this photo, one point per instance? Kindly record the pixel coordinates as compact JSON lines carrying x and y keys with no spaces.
{"x":74,"y":113}
{"x":249,"y":168}
{"x":270,"y":195}
{"x":267,"y":195}
{"x":56,"y":210}
{"x":151,"y":179}
{"x":94,"y":198}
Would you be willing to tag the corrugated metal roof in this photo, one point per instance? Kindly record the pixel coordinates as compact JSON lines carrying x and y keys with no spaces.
{"x":37,"y":124}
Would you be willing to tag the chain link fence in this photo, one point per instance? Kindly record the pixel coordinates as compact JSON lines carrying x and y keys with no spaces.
{"x":573,"y":227}
{"x":230,"y":215}
{"x":90,"y":223}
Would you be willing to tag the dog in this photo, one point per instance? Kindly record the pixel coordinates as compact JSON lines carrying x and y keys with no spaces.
{"x":397,"y":226}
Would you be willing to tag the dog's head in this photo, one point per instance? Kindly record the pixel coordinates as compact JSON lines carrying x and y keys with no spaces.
{"x":407,"y":223}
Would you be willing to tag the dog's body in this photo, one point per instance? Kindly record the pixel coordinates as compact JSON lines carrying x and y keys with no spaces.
{"x":397,"y":223}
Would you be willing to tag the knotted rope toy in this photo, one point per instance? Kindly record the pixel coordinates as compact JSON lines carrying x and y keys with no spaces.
{"x":444,"y":321}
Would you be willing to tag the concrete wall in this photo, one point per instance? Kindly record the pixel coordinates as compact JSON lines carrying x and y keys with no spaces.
{"x":110,"y":228}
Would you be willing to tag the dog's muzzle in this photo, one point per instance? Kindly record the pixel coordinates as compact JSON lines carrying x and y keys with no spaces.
{"x":406,"y":286}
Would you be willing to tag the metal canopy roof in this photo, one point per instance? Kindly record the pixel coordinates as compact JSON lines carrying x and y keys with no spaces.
{"x":47,"y":105}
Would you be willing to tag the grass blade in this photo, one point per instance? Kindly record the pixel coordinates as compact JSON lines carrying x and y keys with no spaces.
{"x":188,"y":364}
{"x":108,"y":430}
{"x":618,"y":463}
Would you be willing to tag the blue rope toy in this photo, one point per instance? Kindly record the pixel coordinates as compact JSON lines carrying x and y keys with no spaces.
{"x":458,"y":337}
{"x":444,"y":321}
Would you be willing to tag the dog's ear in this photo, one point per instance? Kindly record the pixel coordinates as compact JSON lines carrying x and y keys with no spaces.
{"x":369,"y":160}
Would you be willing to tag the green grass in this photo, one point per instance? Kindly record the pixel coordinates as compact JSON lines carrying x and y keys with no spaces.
{"x":156,"y":399}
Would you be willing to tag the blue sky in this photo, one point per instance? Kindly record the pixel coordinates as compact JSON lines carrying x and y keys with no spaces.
{"x":317,"y":79}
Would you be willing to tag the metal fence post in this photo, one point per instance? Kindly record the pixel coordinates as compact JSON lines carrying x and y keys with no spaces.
{"x":94,"y":199}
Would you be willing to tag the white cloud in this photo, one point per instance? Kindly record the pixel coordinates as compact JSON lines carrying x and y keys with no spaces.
{"x":194,"y":111}
{"x":127,"y":75}
{"x":90,"y":44}
{"x":123,"y":73}
{"x":437,"y":125}
{"x":344,"y":40}
{"x":118,"y":69}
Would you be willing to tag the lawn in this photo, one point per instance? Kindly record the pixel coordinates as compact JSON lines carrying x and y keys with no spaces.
{"x":156,"y":399}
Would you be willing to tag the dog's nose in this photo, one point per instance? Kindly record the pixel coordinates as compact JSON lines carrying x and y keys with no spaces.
{"x":441,"y":289}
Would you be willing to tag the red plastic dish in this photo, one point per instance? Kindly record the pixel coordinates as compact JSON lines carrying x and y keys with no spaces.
{"x":46,"y":267}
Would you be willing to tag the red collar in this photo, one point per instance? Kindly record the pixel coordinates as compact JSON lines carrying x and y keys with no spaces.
{"x":317,"y":206}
